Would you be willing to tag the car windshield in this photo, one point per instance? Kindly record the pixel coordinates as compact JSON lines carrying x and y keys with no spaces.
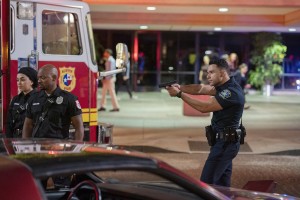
{"x":115,"y":182}
{"x":130,"y":176}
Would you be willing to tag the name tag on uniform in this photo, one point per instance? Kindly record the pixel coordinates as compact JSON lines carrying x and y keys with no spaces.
{"x":36,"y":104}
{"x":16,"y":104}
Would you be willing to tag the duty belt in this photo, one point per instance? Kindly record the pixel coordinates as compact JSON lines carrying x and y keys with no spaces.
{"x":230,"y":136}
{"x":220,"y":135}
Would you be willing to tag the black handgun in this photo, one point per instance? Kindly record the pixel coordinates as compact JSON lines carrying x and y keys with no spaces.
{"x":163,"y":85}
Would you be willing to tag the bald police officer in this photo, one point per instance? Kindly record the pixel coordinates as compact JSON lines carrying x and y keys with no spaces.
{"x":226,"y":103}
{"x":51,"y":111}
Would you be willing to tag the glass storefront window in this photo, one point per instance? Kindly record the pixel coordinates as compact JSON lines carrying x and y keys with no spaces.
{"x":209,"y":44}
{"x":182,"y":53}
{"x":169,"y":51}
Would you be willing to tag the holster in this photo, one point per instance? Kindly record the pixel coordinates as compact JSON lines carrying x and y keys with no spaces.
{"x":231,"y":135}
{"x":234,"y":135}
{"x":210,"y":135}
{"x":242,"y":133}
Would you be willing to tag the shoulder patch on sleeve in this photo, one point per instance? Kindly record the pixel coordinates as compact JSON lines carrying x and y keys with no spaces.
{"x":225,"y":94}
{"x":78,"y":104}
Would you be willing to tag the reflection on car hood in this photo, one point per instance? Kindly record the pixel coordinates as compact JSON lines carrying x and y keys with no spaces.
{"x":235,"y":193}
{"x":54,"y":146}
{"x":45,"y":146}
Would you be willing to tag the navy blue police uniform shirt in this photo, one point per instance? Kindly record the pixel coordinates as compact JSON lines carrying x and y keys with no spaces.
{"x":17,"y":113}
{"x":58,"y":119}
{"x":231,"y":97}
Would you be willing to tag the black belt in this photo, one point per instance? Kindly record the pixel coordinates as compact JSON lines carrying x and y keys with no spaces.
{"x":220,"y":135}
{"x":226,"y":135}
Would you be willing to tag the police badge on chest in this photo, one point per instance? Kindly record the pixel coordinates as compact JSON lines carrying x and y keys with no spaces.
{"x":59,"y":100}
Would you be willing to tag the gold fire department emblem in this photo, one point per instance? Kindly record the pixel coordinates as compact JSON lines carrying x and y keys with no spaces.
{"x":67,"y":79}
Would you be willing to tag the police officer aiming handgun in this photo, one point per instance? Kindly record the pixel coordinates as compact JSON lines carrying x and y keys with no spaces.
{"x":227,"y":104}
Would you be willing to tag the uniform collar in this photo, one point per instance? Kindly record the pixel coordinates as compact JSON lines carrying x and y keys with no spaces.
{"x":225,"y":85}
{"x":55,"y":93}
{"x":28,"y":94}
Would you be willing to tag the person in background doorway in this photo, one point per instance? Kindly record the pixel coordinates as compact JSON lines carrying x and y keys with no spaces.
{"x":51,"y":111}
{"x":241,"y":77}
{"x":233,"y":62}
{"x":108,"y":83}
{"x":123,"y":78}
{"x":203,"y":70}
{"x":27,"y":83}
{"x":141,"y":67}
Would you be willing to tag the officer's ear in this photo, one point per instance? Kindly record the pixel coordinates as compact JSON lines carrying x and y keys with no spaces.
{"x":53,"y":77}
{"x":223,"y":72}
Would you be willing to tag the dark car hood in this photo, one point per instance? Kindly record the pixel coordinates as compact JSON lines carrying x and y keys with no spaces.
{"x":235,"y":193}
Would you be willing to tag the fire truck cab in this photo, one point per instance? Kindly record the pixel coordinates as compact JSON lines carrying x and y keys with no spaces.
{"x":58,"y":32}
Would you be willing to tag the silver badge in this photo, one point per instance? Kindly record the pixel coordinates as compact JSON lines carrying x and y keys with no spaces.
{"x":59,"y":100}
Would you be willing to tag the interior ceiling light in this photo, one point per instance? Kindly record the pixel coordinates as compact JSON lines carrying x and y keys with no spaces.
{"x":143,"y":27}
{"x":292,"y":29}
{"x":217,"y":29}
{"x":208,"y":52}
{"x":151,"y":8}
{"x":223,"y":9}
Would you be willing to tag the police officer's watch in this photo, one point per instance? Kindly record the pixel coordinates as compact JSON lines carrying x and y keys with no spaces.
{"x":178,"y":94}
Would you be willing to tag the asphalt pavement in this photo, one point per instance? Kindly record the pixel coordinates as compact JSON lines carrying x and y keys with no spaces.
{"x":154,"y":123}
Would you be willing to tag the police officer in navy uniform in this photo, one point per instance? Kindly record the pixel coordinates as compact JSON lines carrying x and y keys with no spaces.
{"x":226,"y":103}
{"x":51,"y":111}
{"x":27,"y":83}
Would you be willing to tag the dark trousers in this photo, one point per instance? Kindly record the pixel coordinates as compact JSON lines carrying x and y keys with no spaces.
{"x":218,"y":166}
{"x":120,"y":83}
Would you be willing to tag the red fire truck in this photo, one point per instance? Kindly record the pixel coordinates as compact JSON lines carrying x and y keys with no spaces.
{"x":58,"y":32}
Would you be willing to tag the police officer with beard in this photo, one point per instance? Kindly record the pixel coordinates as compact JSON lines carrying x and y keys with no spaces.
{"x":51,"y":111}
{"x":226,"y":103}
{"x":27,"y":83}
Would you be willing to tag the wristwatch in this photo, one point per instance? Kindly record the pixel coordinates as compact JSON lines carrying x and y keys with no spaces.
{"x":178,"y":94}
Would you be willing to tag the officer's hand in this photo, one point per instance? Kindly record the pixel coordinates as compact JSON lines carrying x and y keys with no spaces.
{"x":172,"y":90}
{"x":176,"y":85}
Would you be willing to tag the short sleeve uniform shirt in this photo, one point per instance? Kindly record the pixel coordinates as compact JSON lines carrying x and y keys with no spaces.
{"x":17,"y":113}
{"x":58,"y":119}
{"x":231,"y":97}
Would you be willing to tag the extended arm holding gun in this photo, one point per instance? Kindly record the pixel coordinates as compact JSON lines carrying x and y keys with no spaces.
{"x":164,"y":85}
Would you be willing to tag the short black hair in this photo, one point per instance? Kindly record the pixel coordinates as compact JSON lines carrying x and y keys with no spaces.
{"x":31,"y":74}
{"x":221,"y":63}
